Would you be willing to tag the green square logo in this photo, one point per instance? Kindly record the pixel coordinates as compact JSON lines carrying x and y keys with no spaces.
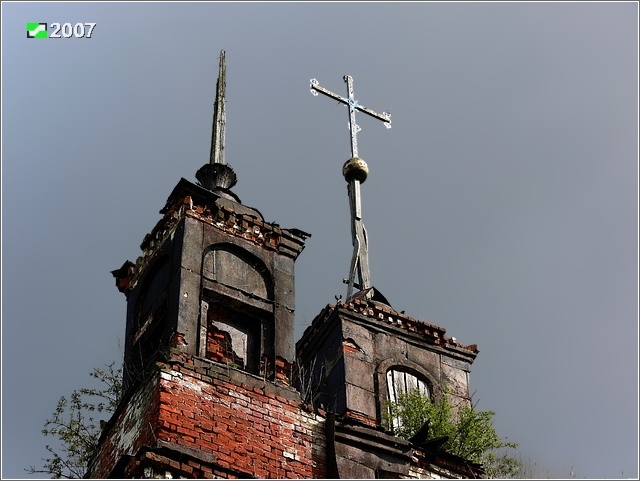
{"x":36,"y":30}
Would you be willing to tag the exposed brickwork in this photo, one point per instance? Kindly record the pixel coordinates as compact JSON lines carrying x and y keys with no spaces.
{"x":283,"y":370}
{"x":240,"y":225}
{"x":258,"y":433}
{"x":359,"y":418}
{"x":244,"y":425}
{"x":131,"y":427}
{"x":158,"y":466}
{"x":219,"y":347}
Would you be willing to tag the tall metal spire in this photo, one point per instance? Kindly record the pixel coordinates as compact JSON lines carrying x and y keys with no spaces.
{"x":217,"y":176}
{"x":219,"y":116}
{"x":355,"y":172}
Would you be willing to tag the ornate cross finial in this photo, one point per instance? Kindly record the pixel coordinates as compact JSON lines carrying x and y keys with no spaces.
{"x":355,"y":172}
{"x":353,"y":106}
{"x":219,"y":116}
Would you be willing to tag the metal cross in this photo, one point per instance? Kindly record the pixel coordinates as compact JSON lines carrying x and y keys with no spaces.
{"x":353,"y":106}
{"x":360,"y":257}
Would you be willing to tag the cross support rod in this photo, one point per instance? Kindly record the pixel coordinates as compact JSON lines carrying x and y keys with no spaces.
{"x":360,"y":257}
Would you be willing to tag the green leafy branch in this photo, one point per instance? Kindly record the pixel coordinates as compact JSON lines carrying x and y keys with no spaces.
{"x":470,"y":433}
{"x":77,"y":428}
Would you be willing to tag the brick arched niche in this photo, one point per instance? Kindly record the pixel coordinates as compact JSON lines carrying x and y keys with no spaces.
{"x":237,"y":308}
{"x":398,"y":375}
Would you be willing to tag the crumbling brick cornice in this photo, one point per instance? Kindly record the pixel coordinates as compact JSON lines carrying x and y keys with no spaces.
{"x":235,"y":220}
{"x":383,"y":315}
{"x":391,"y":316}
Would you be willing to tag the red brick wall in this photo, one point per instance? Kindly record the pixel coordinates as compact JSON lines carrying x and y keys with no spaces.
{"x":246,"y":427}
{"x":242,"y":425}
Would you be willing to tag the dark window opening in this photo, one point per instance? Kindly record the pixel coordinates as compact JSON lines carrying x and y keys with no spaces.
{"x":152,"y":294}
{"x":150,"y":319}
{"x":149,"y":341}
{"x":234,"y":338}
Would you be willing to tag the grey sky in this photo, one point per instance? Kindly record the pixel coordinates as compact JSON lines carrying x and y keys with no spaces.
{"x":502,"y":205}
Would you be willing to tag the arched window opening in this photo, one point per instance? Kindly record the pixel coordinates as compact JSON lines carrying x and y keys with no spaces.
{"x":401,"y":382}
{"x":238,"y":293}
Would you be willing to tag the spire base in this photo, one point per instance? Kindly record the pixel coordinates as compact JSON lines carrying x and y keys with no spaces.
{"x":217,"y":178}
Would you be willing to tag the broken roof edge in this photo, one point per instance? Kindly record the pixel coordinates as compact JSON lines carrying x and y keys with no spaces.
{"x":386,"y":318}
{"x":191,"y":200}
{"x":202,"y":193}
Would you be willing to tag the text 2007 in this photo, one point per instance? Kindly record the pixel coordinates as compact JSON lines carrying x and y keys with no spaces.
{"x":68,"y":30}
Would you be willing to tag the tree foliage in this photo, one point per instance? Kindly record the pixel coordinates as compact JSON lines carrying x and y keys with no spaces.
{"x":76,"y":424}
{"x":470,"y":433}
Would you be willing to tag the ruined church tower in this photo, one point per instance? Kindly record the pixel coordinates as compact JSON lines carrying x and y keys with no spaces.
{"x":214,"y":383}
